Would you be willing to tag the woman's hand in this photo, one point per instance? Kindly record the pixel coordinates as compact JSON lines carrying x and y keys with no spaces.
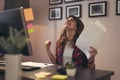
{"x":47,"y":44}
{"x":93,"y":53}
{"x":51,"y":56}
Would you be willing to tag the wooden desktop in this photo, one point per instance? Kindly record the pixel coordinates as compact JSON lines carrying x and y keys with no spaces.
{"x":82,"y":74}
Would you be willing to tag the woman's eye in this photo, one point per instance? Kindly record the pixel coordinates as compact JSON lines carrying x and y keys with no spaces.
{"x":71,"y":20}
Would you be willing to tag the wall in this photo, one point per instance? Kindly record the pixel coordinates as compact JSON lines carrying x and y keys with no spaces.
{"x":108,"y":54}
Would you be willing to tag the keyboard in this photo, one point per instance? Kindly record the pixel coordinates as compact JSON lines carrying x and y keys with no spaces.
{"x":29,"y":68}
{"x":2,"y":63}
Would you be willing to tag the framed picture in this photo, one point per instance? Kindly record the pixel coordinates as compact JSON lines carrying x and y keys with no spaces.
{"x":117,"y":7}
{"x":52,"y":2}
{"x":97,"y":9}
{"x":73,"y":10}
{"x":68,"y":1}
{"x":55,"y":13}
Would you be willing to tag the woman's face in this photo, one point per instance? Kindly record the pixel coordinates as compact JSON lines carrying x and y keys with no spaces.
{"x":70,"y":24}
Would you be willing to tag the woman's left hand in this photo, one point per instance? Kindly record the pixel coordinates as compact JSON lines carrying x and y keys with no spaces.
{"x":93,"y":53}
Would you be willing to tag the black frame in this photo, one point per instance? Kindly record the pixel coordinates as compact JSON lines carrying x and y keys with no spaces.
{"x":69,"y":1}
{"x":53,"y":2}
{"x":117,"y":7}
{"x":97,"y":9}
{"x":55,"y":13}
{"x":76,"y":10}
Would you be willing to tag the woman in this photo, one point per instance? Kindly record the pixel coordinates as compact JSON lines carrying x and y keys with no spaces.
{"x":66,"y":50}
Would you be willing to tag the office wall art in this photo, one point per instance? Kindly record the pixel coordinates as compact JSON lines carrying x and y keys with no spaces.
{"x":68,"y":1}
{"x":97,"y":9}
{"x":73,"y":10}
{"x":52,"y":2}
{"x":55,"y":13}
{"x":117,"y":7}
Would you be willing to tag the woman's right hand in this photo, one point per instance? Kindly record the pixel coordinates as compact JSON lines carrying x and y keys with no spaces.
{"x":51,"y":56}
{"x":47,"y":44}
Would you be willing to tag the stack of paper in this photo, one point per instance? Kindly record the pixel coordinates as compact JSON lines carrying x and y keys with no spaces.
{"x":59,"y":77}
{"x":42,"y":75}
{"x":36,"y":64}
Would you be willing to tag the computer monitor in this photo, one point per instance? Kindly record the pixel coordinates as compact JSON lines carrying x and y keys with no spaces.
{"x":11,"y":4}
{"x":14,"y":18}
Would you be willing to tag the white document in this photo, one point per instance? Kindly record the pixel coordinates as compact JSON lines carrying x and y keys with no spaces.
{"x":36,"y":64}
{"x":92,"y":36}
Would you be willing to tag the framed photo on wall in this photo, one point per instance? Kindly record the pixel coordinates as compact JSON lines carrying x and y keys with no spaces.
{"x":55,"y":13}
{"x":68,"y":1}
{"x":117,"y":7}
{"x":52,"y":2}
{"x":97,"y":9}
{"x":73,"y":10}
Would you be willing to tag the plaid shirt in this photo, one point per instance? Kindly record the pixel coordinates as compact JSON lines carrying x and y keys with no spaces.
{"x":77,"y":56}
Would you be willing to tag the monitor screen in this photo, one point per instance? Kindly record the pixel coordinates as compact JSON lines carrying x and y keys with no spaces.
{"x":10,"y":4}
{"x":14,"y":18}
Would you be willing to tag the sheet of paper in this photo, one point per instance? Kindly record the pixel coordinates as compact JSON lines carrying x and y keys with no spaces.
{"x":93,"y":35}
{"x":36,"y":64}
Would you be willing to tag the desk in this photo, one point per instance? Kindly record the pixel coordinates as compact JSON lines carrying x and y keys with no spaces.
{"x":82,"y":74}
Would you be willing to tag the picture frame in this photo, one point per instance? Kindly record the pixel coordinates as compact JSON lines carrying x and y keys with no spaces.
{"x":53,"y":2}
{"x":55,"y":13}
{"x":73,"y":10}
{"x":117,"y":7}
{"x":97,"y":9}
{"x":69,"y":1}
